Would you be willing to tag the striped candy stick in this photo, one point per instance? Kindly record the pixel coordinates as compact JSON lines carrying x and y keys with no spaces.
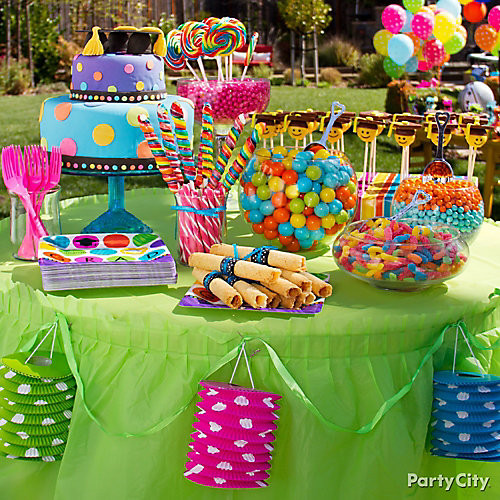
{"x":156,"y":148}
{"x":227,"y":150}
{"x":243,"y":157}
{"x":205,"y":157}
{"x":169,"y":146}
{"x":183,"y":144}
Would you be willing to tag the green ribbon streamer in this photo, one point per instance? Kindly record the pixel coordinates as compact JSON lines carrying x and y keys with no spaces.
{"x":282,"y":371}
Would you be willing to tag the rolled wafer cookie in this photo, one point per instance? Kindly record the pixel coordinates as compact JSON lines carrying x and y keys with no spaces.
{"x":320,"y":288}
{"x":273,"y":299}
{"x":284,"y":287}
{"x":251,"y":295}
{"x":292,"y":302}
{"x":240,"y":268}
{"x":274,"y":258}
{"x":310,"y":298}
{"x":220,"y":289}
{"x":304,"y":283}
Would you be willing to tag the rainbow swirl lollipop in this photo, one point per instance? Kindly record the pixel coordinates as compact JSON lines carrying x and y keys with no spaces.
{"x":223,"y":39}
{"x":192,"y":38}
{"x":251,"y":48}
{"x":174,"y":58}
{"x":210,"y":21}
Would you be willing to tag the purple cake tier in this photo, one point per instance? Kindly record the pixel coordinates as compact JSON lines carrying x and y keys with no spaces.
{"x":118,"y":73}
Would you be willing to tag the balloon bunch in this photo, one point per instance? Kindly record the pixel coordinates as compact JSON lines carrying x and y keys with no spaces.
{"x":416,"y":37}
{"x":487,"y":36}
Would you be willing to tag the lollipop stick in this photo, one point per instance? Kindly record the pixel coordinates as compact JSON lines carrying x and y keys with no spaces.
{"x":272,"y":142}
{"x":365,"y":163}
{"x":220,"y":74}
{"x":342,"y":143}
{"x":226,"y":63}
{"x":245,"y":69}
{"x":231,"y":66}
{"x":202,"y":68}
{"x":281,"y":139}
{"x":190,"y":68}
{"x":296,"y":143}
{"x":472,"y":162}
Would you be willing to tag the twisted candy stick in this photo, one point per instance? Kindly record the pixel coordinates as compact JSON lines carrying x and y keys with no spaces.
{"x":227,"y":150}
{"x":205,"y":157}
{"x":243,"y":157}
{"x":169,"y":147}
{"x":155,"y":146}
{"x":251,"y":49}
{"x":183,"y":144}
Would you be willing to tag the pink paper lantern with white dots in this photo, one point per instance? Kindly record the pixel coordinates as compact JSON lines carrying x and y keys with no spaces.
{"x":394,"y":18}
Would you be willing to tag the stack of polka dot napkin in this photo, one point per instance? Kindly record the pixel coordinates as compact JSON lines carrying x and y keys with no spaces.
{"x":36,"y":399}
{"x":466,"y":416}
{"x":232,"y":443}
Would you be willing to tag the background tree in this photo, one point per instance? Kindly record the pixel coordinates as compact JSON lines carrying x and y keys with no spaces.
{"x":306,"y":17}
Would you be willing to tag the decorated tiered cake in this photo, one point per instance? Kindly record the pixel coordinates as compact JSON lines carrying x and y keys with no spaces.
{"x":115,"y":79}
{"x":118,"y":77}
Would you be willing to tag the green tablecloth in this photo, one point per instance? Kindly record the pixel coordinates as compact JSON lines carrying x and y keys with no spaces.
{"x":141,"y":358}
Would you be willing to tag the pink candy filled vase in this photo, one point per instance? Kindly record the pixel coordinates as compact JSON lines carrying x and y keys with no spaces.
{"x":228,"y":98}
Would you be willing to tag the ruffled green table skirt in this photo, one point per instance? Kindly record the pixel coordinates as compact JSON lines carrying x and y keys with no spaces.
{"x":141,"y":357}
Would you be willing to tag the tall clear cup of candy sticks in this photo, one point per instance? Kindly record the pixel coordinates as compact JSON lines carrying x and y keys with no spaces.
{"x":200,"y":184}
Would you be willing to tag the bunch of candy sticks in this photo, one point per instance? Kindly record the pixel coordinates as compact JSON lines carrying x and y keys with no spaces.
{"x":213,"y":37}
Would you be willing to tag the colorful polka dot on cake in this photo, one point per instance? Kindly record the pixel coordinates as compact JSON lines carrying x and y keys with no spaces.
{"x":43,"y":142}
{"x":150,"y":64}
{"x":103,"y":134}
{"x":133,"y":114}
{"x":111,"y":88}
{"x":97,"y":76}
{"x":128,"y":68}
{"x":79,"y":67}
{"x":83,"y":86}
{"x":139,"y":85}
{"x":143,"y":150}
{"x":62,"y":110}
{"x":68,"y":147}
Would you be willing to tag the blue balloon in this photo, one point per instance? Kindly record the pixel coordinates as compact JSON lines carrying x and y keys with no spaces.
{"x":412,"y":65}
{"x":400,"y":49}
{"x":407,"y":25}
{"x":451,"y":6}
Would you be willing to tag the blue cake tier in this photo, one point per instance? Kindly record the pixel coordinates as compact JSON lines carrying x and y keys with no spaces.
{"x":101,"y":138}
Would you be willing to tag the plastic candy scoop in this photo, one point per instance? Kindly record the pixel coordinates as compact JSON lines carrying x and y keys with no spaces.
{"x":333,"y":117}
{"x":439,"y":167}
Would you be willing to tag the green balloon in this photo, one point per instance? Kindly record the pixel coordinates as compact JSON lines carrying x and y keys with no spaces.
{"x":392,"y":69}
{"x":413,"y":5}
{"x":455,"y":44}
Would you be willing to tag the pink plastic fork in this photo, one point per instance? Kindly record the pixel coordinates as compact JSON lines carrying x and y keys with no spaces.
{"x":13,"y":180}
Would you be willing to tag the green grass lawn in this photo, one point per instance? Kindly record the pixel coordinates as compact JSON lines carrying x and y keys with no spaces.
{"x":19,"y":120}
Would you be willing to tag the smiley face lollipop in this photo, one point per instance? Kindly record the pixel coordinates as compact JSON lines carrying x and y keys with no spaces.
{"x":476,"y":137}
{"x":405,"y":134}
{"x":297,"y":128}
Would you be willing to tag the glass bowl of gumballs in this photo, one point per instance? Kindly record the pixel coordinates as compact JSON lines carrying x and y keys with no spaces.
{"x":298,"y":200}
{"x":454,"y":202}
{"x":400,"y":254}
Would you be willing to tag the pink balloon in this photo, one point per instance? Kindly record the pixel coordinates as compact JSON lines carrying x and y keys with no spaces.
{"x":393,"y":18}
{"x":422,"y":25}
{"x":494,"y":18}
{"x":434,"y":52}
{"x":424,"y":66}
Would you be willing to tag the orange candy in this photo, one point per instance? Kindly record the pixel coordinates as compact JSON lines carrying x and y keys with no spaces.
{"x":270,"y":223}
{"x":258,"y":228}
{"x":279,"y":199}
{"x":285,"y":240}
{"x":271,"y":234}
{"x":342,"y":193}
{"x":290,"y":177}
{"x":294,"y":246}
{"x":313,"y":222}
{"x":281,"y":215}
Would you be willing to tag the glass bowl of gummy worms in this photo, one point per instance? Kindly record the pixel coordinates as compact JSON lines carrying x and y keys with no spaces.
{"x":400,"y":254}
{"x":229,"y":98}
{"x":456,"y":203}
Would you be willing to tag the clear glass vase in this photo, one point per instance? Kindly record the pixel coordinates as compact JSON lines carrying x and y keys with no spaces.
{"x":46,"y":204}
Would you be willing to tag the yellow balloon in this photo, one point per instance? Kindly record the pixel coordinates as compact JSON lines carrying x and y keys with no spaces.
{"x":465,"y":2}
{"x":444,"y":26}
{"x":381,"y":40}
{"x":458,"y":20}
